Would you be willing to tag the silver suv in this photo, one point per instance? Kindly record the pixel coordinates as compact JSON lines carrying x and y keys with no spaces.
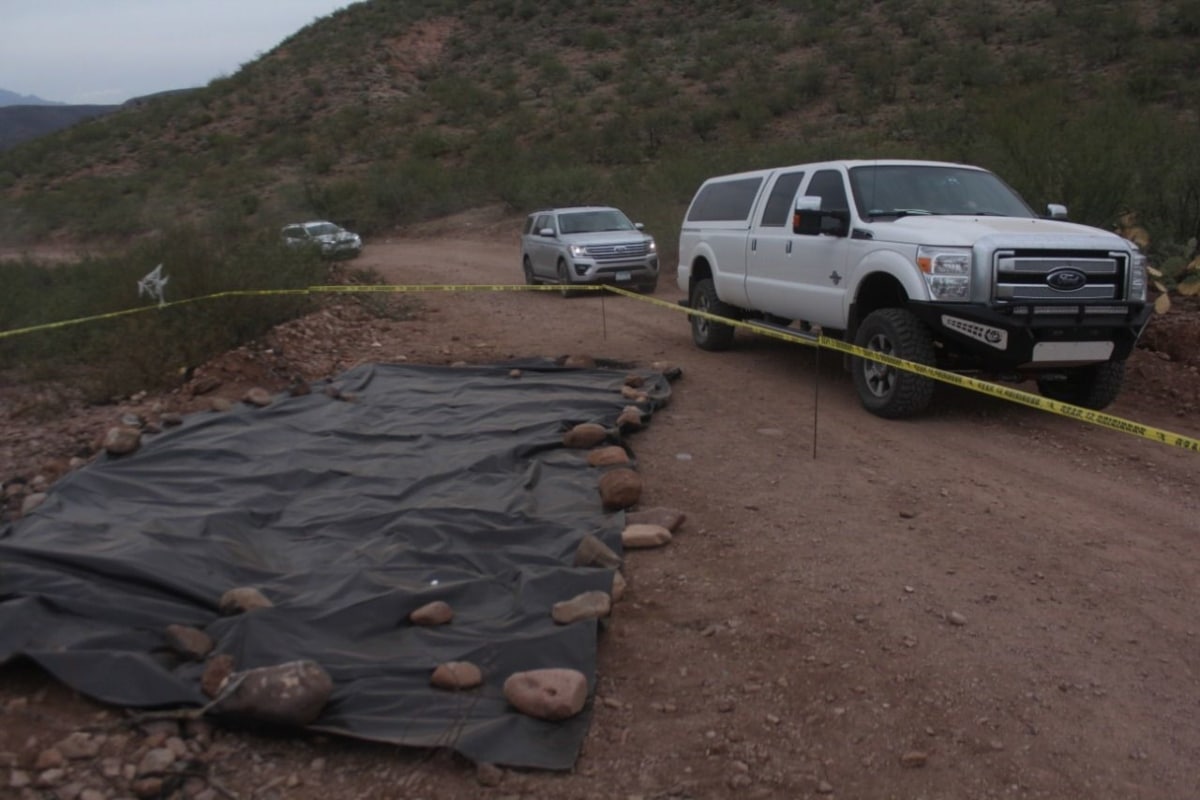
{"x":332,"y":241}
{"x":588,"y":244}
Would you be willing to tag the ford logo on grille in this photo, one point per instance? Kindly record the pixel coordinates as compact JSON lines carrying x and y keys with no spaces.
{"x":619,"y":249}
{"x":1066,"y":279}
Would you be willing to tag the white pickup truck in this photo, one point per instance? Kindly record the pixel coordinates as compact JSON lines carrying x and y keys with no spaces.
{"x":937,"y":263}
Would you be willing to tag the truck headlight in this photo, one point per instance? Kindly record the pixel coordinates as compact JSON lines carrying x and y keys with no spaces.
{"x":1137,"y":276}
{"x":947,"y":272}
{"x":578,"y":250}
{"x":651,"y":247}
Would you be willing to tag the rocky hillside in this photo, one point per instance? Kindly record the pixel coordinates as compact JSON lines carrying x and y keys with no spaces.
{"x":391,"y":111}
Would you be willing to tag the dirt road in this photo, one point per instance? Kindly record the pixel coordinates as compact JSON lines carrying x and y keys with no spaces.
{"x":987,"y":601}
{"x":1006,"y":595}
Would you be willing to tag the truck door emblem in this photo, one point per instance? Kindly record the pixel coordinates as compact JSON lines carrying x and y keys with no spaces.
{"x":1066,"y":279}
{"x":835,"y":278}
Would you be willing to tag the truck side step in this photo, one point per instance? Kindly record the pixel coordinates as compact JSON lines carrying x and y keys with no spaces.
{"x":770,"y":326}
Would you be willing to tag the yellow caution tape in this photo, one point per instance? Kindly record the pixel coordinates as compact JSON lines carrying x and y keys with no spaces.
{"x":1009,"y":394}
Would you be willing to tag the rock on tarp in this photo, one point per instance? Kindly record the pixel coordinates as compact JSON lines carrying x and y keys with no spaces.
{"x":348,"y":510}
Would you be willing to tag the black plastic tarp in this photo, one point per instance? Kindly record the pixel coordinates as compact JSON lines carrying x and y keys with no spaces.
{"x":420,"y":483}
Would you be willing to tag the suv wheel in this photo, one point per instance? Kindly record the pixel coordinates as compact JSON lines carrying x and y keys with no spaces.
{"x":527,"y":267}
{"x":564,"y":279}
{"x":1094,"y":386}
{"x":884,"y":390}
{"x":707,"y":334}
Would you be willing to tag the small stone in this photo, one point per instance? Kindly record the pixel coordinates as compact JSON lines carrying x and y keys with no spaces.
{"x":156,"y":761}
{"x":634,"y":380}
{"x":51,"y":777}
{"x":585,"y":435}
{"x":147,"y":787}
{"x":640,"y":536}
{"x":956,"y":618}
{"x":669,"y":518}
{"x":579,"y":362}
{"x":620,"y":488}
{"x":292,"y":694}
{"x":610,"y":456}
{"x":669,"y":370}
{"x":589,"y":605}
{"x":243,"y":600}
{"x":739,"y":780}
{"x":121,"y":440}
{"x":31,"y":502}
{"x":824,"y":787}
{"x":257,"y":397}
{"x":456,"y":675}
{"x":171,"y":419}
{"x":216,"y":670}
{"x":914,"y":758}
{"x":630,"y":419}
{"x":49,"y":759}
{"x":438,"y":612}
{"x":594,"y":553}
{"x":632,"y":393}
{"x":551,"y":694}
{"x":489,"y":775}
{"x":79,"y":745}
{"x":190,"y":642}
{"x":618,"y":587}
{"x":514,"y":373}
{"x":220,"y":404}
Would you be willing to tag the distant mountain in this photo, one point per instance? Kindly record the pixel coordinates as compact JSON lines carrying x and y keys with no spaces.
{"x":20,"y":123}
{"x":8,"y":98}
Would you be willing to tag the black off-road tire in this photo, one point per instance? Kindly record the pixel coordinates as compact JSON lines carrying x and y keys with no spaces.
{"x":527,"y":268}
{"x":564,"y":280}
{"x":707,"y":334}
{"x":884,"y":390}
{"x":1095,"y":386}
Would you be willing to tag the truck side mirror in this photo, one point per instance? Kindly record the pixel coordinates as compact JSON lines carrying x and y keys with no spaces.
{"x":809,"y":220}
{"x":1056,"y":211}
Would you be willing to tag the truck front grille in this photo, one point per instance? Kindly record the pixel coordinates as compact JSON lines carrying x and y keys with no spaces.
{"x":630,"y":251}
{"x":1049,"y":277}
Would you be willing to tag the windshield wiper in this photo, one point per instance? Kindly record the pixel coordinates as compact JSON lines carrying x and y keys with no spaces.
{"x":898,"y":212}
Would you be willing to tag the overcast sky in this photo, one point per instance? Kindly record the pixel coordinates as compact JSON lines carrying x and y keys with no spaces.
{"x":107,"y":51}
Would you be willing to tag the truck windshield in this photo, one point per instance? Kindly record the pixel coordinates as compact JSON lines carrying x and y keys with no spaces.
{"x":899,"y":190}
{"x":594,"y":221}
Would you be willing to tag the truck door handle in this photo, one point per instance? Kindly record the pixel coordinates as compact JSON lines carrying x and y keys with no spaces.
{"x":753,"y":245}
{"x":788,"y":249}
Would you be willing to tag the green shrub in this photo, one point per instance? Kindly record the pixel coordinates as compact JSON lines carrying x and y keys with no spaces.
{"x":118,"y":354}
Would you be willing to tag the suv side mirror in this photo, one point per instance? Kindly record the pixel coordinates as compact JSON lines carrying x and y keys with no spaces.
{"x":809,"y":220}
{"x":1056,"y":211}
{"x":546,"y":232}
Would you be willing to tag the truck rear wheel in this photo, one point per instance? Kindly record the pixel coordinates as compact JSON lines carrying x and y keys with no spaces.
{"x":707,"y":334}
{"x":884,"y":390}
{"x":1094,"y":386}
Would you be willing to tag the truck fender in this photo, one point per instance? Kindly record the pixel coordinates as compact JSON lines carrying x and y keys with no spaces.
{"x":877,"y":263}
{"x":729,"y":279}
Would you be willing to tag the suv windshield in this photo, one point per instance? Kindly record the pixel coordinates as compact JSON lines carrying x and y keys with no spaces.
{"x":323,"y":229}
{"x":897,"y":190}
{"x":594,"y":221}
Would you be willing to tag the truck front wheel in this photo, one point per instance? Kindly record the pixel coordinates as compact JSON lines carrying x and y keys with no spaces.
{"x":707,"y":334}
{"x":1094,"y":386}
{"x":884,"y":390}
